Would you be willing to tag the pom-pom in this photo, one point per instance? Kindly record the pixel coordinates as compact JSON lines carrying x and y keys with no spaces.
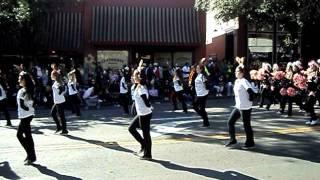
{"x":291,"y":92}
{"x":283,"y":91}
{"x":279,"y":75}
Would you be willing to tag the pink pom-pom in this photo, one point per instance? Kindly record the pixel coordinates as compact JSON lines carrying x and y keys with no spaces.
{"x":291,"y":92}
{"x":279,"y":75}
{"x":254,"y":74}
{"x":283,"y":91}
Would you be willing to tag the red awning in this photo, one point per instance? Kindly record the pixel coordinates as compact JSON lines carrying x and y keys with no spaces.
{"x":145,"y":25}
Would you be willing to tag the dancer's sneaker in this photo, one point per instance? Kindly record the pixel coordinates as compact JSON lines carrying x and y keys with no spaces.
{"x":314,"y":122}
{"x":248,"y":147}
{"x":65,"y":132}
{"x":231,"y":143}
{"x":146,"y":157}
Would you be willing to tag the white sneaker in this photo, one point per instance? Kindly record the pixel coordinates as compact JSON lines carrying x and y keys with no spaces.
{"x":308,"y":122}
{"x":314,"y":122}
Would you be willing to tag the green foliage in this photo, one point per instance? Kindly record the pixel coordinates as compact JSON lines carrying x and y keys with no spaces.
{"x":297,"y":12}
{"x":13,"y":12}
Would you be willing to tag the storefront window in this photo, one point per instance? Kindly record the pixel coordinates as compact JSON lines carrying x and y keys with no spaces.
{"x":163,"y":58}
{"x":112,"y":59}
{"x":180,"y":58}
{"x":260,"y":47}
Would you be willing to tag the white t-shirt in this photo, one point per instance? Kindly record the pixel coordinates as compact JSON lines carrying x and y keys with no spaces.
{"x":3,"y":93}
{"x":141,"y":107}
{"x":186,"y":71}
{"x":132,"y":91}
{"x":88,"y":93}
{"x":39,"y":72}
{"x":27,"y":102}
{"x":70,"y":89}
{"x":241,"y":95}
{"x":200,"y":85}
{"x":123,"y":83}
{"x":176,"y":85}
{"x":57,"y":98}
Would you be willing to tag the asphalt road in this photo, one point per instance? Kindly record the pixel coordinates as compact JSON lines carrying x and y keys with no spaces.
{"x":100,"y":147}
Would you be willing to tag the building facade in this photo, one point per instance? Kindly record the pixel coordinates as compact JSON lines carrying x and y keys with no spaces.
{"x":114,"y":33}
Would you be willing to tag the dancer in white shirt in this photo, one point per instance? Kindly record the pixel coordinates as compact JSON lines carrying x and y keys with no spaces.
{"x":3,"y":101}
{"x":124,"y":92}
{"x":178,"y":91}
{"x":201,"y":86}
{"x":73,"y":93}
{"x":243,"y":96}
{"x":58,"y":89}
{"x":143,"y":118}
{"x":26,"y":113}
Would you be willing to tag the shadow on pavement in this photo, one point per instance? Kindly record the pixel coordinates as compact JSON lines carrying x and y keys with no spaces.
{"x":203,"y":172}
{"x":6,"y":171}
{"x":49,"y":172}
{"x":109,"y":145}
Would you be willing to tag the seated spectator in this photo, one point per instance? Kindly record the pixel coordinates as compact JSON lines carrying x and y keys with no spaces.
{"x":186,"y":71}
{"x":91,"y":98}
{"x":219,"y":87}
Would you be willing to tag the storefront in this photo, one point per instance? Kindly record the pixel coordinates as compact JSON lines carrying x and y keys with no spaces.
{"x":117,"y":33}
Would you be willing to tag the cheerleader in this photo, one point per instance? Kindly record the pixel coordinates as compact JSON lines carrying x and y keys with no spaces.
{"x":3,"y":101}
{"x":73,"y":93}
{"x":143,"y":118}
{"x":201,"y":87}
{"x":312,"y":73}
{"x":124,"y":93}
{"x":57,"y":110}
{"x":286,"y":84}
{"x":26,"y":113}
{"x":178,"y":91}
{"x":133,"y":111}
{"x":243,"y":96}
{"x":266,"y":86}
{"x":277,"y":75}
{"x":191,"y":83}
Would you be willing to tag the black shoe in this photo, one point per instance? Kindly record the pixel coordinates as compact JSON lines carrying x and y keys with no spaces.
{"x":248,"y":147}
{"x":231,"y":143}
{"x":206,"y":125}
{"x":64,"y":132}
{"x":141,"y":150}
{"x":146,"y":157}
{"x":29,"y":162}
{"x":58,"y":130}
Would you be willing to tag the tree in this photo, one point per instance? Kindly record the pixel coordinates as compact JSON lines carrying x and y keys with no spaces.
{"x":13,"y":14}
{"x":262,"y":11}
{"x":293,"y":15}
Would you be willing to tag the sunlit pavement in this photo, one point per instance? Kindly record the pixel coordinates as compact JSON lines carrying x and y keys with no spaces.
{"x":99,"y":147}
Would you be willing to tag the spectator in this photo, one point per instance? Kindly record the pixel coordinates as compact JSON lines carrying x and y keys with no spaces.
{"x":90,"y":97}
{"x":186,"y":70}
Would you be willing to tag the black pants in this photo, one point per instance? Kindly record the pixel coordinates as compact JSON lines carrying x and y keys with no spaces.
{"x":298,"y":99}
{"x":265,"y":94}
{"x":200,"y":108}
{"x":309,"y":107}
{"x":246,"y":118}
{"x":57,"y":112}
{"x":3,"y":108}
{"x":124,"y":102}
{"x":75,"y":104}
{"x":142,"y":122}
{"x":284,"y":101}
{"x":25,"y":137}
{"x":180,"y":97}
